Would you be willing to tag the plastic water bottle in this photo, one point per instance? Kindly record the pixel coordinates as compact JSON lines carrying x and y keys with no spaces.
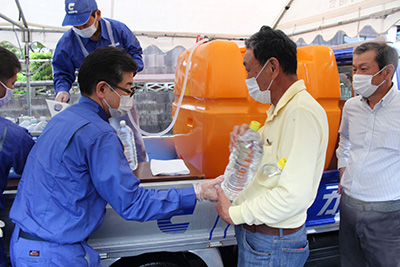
{"x":25,"y":121}
{"x":243,"y":161}
{"x":42,"y":123}
{"x":273,"y":169}
{"x":32,"y":126}
{"x":125,"y":133}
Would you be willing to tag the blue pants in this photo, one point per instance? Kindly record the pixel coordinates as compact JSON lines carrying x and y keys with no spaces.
{"x":25,"y":252}
{"x":256,"y":249}
{"x":3,"y":255}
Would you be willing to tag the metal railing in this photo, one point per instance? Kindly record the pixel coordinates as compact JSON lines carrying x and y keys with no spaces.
{"x":143,"y":83}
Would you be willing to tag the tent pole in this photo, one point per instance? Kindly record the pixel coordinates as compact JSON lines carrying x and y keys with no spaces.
{"x":280,"y":16}
{"x":26,"y":38}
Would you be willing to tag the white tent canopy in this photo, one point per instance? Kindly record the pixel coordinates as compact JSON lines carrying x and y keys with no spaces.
{"x":170,"y":23}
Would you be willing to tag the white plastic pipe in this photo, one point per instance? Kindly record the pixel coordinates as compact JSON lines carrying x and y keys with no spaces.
{"x":179,"y":102}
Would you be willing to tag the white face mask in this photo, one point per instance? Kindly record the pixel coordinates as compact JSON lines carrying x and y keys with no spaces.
{"x":362,"y":84}
{"x":254,"y":90}
{"x":87,"y":32}
{"x":125,"y":105}
{"x":6,"y":98}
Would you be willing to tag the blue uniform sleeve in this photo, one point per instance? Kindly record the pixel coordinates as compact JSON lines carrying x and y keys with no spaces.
{"x":131,"y":45}
{"x":116,"y":183}
{"x":63,"y":65}
{"x":24,"y":144}
{"x":15,"y":145}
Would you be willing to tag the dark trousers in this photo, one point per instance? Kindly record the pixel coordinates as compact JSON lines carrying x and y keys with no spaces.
{"x":369,"y":233}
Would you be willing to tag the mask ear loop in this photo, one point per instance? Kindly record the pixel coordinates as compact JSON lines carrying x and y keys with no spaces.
{"x":113,"y":90}
{"x":379,"y":71}
{"x":377,"y":74}
{"x":266,"y":63}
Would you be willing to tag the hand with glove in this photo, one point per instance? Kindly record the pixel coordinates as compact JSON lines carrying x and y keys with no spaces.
{"x":206,"y":190}
{"x":62,"y":96}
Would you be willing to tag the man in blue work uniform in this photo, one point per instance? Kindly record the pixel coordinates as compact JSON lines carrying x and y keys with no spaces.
{"x":88,"y":33}
{"x":15,"y":142}
{"x":78,"y":166}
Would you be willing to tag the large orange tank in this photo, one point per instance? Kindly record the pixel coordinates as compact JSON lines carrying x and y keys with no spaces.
{"x":216,"y":99}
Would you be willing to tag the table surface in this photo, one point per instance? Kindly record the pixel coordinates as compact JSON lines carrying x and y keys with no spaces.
{"x":143,"y":173}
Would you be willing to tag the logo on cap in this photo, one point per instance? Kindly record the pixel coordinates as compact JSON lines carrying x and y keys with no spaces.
{"x":71,"y":8}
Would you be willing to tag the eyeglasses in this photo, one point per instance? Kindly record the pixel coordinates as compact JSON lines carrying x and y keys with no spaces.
{"x":130,"y":92}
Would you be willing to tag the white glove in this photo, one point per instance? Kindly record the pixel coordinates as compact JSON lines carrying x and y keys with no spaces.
{"x":2,"y":224}
{"x":205,"y":190}
{"x":62,"y":96}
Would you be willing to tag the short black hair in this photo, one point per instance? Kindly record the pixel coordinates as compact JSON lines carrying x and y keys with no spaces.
{"x":104,"y":64}
{"x":9,"y":65}
{"x":269,"y":43}
{"x":385,"y":54}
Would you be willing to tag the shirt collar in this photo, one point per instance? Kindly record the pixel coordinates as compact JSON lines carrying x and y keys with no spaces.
{"x":293,"y":90}
{"x":389,"y":96}
{"x":93,"y":106}
{"x":386,"y":99}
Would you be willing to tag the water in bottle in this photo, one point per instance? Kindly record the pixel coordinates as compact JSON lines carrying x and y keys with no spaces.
{"x":24,"y":121}
{"x":32,"y":126}
{"x":125,"y":133}
{"x":243,"y":161}
{"x":272,"y":169}
{"x":40,"y":126}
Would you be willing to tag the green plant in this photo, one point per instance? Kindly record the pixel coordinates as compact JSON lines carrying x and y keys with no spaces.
{"x":45,"y":72}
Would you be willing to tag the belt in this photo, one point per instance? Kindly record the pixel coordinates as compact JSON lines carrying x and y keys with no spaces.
{"x":267,"y":230}
{"x":383,"y":206}
{"x":28,"y":236}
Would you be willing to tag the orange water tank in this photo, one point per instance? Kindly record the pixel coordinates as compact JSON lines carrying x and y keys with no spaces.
{"x":216,"y":99}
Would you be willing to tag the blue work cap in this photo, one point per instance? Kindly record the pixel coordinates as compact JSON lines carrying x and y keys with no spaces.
{"x":78,"y":11}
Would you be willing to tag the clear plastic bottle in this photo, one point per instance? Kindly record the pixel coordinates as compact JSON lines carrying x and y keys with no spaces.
{"x":272,"y":169}
{"x":25,"y":121}
{"x":32,"y":126}
{"x":243,"y":161}
{"x":125,"y":133}
{"x":42,"y":123}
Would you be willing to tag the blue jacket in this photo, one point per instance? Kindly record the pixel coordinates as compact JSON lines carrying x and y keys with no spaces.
{"x":68,"y":55}
{"x":15,"y":144}
{"x":74,"y":169}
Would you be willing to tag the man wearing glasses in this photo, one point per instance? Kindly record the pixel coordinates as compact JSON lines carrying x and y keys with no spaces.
{"x":78,"y":166}
{"x":90,"y":31}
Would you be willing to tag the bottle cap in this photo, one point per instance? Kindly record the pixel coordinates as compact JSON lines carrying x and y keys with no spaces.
{"x":281,"y":163}
{"x":122,"y":123}
{"x":255,"y":125}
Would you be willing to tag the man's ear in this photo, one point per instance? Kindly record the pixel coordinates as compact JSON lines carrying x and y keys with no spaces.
{"x":100,"y":89}
{"x":98,"y":13}
{"x":275,"y":67}
{"x":389,"y":71}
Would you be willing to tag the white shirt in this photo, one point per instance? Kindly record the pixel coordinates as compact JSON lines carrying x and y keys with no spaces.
{"x":369,"y":148}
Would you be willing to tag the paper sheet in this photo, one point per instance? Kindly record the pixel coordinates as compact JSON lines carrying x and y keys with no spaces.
{"x":168,"y":167}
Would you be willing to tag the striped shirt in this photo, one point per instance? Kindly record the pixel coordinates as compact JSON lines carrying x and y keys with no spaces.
{"x":369,"y":148}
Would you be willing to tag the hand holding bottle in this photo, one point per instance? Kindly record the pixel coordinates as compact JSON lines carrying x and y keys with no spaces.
{"x":237,"y":131}
{"x":222,"y":206}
